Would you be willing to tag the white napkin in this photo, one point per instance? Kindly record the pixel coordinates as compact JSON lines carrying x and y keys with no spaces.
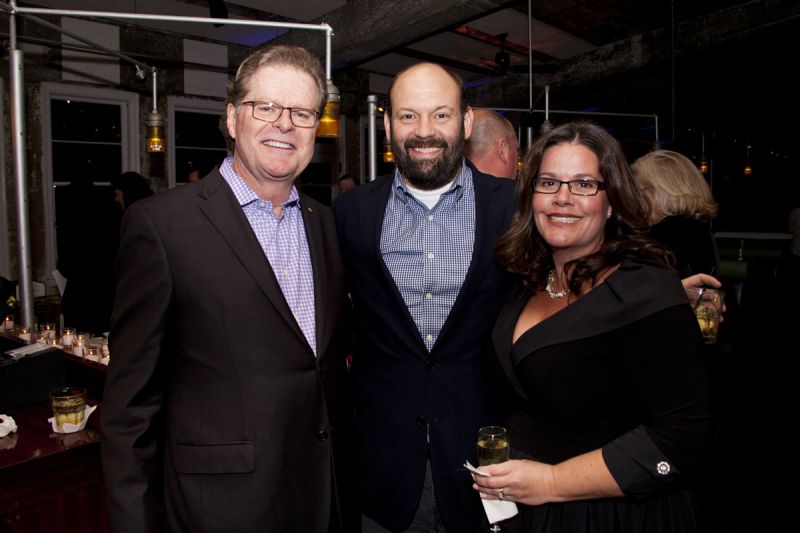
{"x":72,"y":428}
{"x":7,"y":425}
{"x":496,"y":510}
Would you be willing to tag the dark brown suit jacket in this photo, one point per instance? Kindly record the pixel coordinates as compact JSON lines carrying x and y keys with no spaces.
{"x":217,"y":416}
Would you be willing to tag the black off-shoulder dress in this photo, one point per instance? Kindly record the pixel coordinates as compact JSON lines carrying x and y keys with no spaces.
{"x":620,"y":369}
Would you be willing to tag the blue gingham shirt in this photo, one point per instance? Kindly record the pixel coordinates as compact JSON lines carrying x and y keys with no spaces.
{"x":285,"y":245}
{"x":428,"y":251}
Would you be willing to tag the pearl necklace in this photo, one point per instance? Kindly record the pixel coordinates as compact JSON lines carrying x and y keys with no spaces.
{"x":551,"y":277}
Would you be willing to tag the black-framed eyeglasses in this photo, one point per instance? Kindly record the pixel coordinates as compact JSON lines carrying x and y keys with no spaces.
{"x":270,"y":112}
{"x":583,"y":187}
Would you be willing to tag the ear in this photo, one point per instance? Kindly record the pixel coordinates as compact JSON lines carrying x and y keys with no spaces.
{"x":468,"y":116}
{"x":230,"y":122}
{"x":387,"y":125}
{"x":502,"y":150}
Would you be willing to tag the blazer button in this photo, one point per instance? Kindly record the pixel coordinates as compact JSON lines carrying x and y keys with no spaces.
{"x":429,"y":364}
{"x":322,"y":435}
{"x":421,"y":421}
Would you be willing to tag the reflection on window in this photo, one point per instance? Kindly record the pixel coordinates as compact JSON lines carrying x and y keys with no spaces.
{"x":86,"y":140}
{"x":199,"y":145}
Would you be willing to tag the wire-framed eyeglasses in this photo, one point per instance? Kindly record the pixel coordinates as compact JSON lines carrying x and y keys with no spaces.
{"x":582,"y":187}
{"x":270,"y":112}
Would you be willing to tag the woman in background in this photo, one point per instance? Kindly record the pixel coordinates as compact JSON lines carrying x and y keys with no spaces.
{"x":681,"y":210}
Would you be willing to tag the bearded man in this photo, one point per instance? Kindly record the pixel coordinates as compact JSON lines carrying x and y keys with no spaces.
{"x":417,"y":247}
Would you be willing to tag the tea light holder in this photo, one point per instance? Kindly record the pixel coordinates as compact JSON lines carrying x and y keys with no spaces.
{"x":68,"y":338}
{"x":8,"y":324}
{"x":49,"y":329}
{"x":24,"y":333}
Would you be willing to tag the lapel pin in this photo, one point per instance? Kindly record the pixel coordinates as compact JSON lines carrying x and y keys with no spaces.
{"x":310,"y":209}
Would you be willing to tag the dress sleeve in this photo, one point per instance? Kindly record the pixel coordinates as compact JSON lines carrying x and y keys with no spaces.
{"x":666,"y":369}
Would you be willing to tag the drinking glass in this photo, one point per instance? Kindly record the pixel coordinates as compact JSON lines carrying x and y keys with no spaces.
{"x":707,"y":304}
{"x":492,"y":449}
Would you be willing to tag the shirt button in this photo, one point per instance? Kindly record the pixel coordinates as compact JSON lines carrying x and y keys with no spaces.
{"x":421,"y":421}
{"x":285,"y":271}
{"x":429,"y":296}
{"x":322,"y":435}
{"x":430,"y":218}
{"x":429,"y":337}
{"x":430,"y":255}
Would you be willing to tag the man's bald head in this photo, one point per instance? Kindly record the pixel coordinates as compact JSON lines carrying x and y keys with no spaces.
{"x":492,"y":147}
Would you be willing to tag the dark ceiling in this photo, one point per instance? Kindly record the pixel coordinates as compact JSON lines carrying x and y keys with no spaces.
{"x":715,"y":72}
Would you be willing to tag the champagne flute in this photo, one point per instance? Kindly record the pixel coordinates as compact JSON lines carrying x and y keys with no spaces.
{"x":492,"y":449}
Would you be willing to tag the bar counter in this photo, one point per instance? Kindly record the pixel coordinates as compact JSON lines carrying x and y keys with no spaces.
{"x":52,"y":481}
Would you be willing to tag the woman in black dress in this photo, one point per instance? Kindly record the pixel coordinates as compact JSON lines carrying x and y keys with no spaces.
{"x":598,"y":349}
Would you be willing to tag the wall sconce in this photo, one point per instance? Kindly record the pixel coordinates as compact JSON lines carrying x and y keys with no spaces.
{"x":388,"y":154}
{"x":329,"y":121}
{"x":155,"y":123}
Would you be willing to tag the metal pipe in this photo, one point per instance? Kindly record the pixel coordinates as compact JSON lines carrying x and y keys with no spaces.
{"x":84,"y":40}
{"x":154,"y":72}
{"x":25,"y":279}
{"x":566,"y":112}
{"x":175,"y":18}
{"x":372,"y":104}
{"x":530,"y":56}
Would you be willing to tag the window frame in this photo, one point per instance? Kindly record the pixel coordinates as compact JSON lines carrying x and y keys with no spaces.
{"x":129,"y":140}
{"x":185,"y":104}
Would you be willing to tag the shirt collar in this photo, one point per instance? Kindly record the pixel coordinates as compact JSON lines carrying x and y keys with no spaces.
{"x":244,"y":194}
{"x":457,"y":185}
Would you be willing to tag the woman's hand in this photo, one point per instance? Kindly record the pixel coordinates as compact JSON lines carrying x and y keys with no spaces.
{"x":704,"y":280}
{"x":522,"y":481}
{"x":700,"y":280}
{"x":583,"y":477}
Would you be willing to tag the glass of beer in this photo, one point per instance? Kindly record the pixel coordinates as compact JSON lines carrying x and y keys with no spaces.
{"x":492,"y":449}
{"x":707,"y":304}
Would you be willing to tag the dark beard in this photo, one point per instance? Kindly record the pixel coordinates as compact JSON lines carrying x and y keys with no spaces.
{"x":430,"y":174}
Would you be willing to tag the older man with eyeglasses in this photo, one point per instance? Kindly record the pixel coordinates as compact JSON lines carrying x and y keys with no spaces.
{"x":226,"y":406}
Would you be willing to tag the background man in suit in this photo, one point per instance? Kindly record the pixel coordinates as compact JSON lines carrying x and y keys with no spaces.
{"x":417,"y":247}
{"x":225,"y":406}
{"x":492,"y":147}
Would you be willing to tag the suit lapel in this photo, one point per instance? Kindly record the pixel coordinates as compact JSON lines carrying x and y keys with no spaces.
{"x":372,"y":222}
{"x":316,"y":248}
{"x":226,"y":215}
{"x":489,"y":218}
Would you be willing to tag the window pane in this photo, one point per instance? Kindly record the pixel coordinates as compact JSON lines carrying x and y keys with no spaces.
{"x":84,"y":121}
{"x":190,"y":159}
{"x":199,"y":130}
{"x":86,"y":162}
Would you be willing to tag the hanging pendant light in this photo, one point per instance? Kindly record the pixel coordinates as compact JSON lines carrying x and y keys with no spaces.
{"x":388,"y":154}
{"x":155,"y":124}
{"x":748,"y":170}
{"x":703,"y":162}
{"x":329,"y":121}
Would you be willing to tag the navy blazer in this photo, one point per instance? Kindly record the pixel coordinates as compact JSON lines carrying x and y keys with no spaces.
{"x":402,"y":392}
{"x":217,"y":416}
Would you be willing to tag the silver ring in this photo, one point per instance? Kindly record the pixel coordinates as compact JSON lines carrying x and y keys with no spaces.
{"x":501,"y":494}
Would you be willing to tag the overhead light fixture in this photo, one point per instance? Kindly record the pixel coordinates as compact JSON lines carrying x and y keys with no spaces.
{"x":748,"y":170}
{"x":703,"y":162}
{"x":329,"y":121}
{"x":388,"y":154}
{"x":155,"y":123}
